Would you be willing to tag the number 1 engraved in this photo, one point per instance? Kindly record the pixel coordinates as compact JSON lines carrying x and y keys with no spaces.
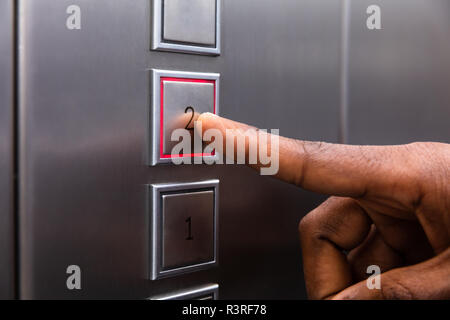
{"x":189,"y":222}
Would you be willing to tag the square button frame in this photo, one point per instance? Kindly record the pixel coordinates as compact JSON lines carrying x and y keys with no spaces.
{"x":156,"y":155}
{"x":196,"y":293}
{"x":156,"y":225}
{"x":159,"y":44}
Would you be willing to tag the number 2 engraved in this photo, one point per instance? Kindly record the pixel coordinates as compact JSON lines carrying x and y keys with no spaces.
{"x":189,"y":222}
{"x":192,"y":117}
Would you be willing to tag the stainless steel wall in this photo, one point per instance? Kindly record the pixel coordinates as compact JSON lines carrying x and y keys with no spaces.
{"x":83,"y":102}
{"x":6,"y":150}
{"x":399,"y":76}
{"x":84,"y":96}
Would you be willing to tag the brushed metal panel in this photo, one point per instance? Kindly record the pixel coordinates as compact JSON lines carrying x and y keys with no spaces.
{"x":399,"y":76}
{"x":83,"y":105}
{"x":6,"y":150}
{"x":84,"y":101}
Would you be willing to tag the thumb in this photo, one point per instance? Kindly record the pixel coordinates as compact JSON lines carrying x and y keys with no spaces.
{"x":426,"y":280}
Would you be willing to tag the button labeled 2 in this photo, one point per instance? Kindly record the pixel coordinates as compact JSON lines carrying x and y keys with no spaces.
{"x":178,"y":98}
{"x":184,"y":227}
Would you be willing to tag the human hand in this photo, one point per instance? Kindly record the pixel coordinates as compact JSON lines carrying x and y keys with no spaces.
{"x":389,"y":206}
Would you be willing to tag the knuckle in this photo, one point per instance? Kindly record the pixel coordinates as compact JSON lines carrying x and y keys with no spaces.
{"x":306,"y":224}
{"x":424,"y":158}
{"x":428,"y":169}
{"x":393,"y":288}
{"x":321,"y":222}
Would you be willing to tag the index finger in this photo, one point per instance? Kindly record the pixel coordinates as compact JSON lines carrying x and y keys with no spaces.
{"x":334,"y":169}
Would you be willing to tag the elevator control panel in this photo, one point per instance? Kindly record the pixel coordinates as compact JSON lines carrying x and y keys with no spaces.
{"x":190,"y":26}
{"x":178,"y":98}
{"x":184,"y":220}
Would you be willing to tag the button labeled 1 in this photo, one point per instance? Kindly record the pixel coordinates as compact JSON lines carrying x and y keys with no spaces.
{"x":178,"y":98}
{"x":188,"y":228}
{"x":184,"y":227}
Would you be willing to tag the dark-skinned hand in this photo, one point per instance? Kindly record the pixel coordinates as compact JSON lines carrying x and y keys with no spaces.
{"x":389,"y":206}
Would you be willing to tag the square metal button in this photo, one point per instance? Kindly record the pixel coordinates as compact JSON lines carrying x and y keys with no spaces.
{"x":191,"y":26}
{"x":204,"y":292}
{"x":183,"y":100}
{"x":191,"y":21}
{"x":178,"y":98}
{"x":184,"y":227}
{"x":188,"y":228}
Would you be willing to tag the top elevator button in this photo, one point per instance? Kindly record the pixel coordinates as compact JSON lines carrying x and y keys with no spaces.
{"x":187,"y":26}
{"x":191,"y":21}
